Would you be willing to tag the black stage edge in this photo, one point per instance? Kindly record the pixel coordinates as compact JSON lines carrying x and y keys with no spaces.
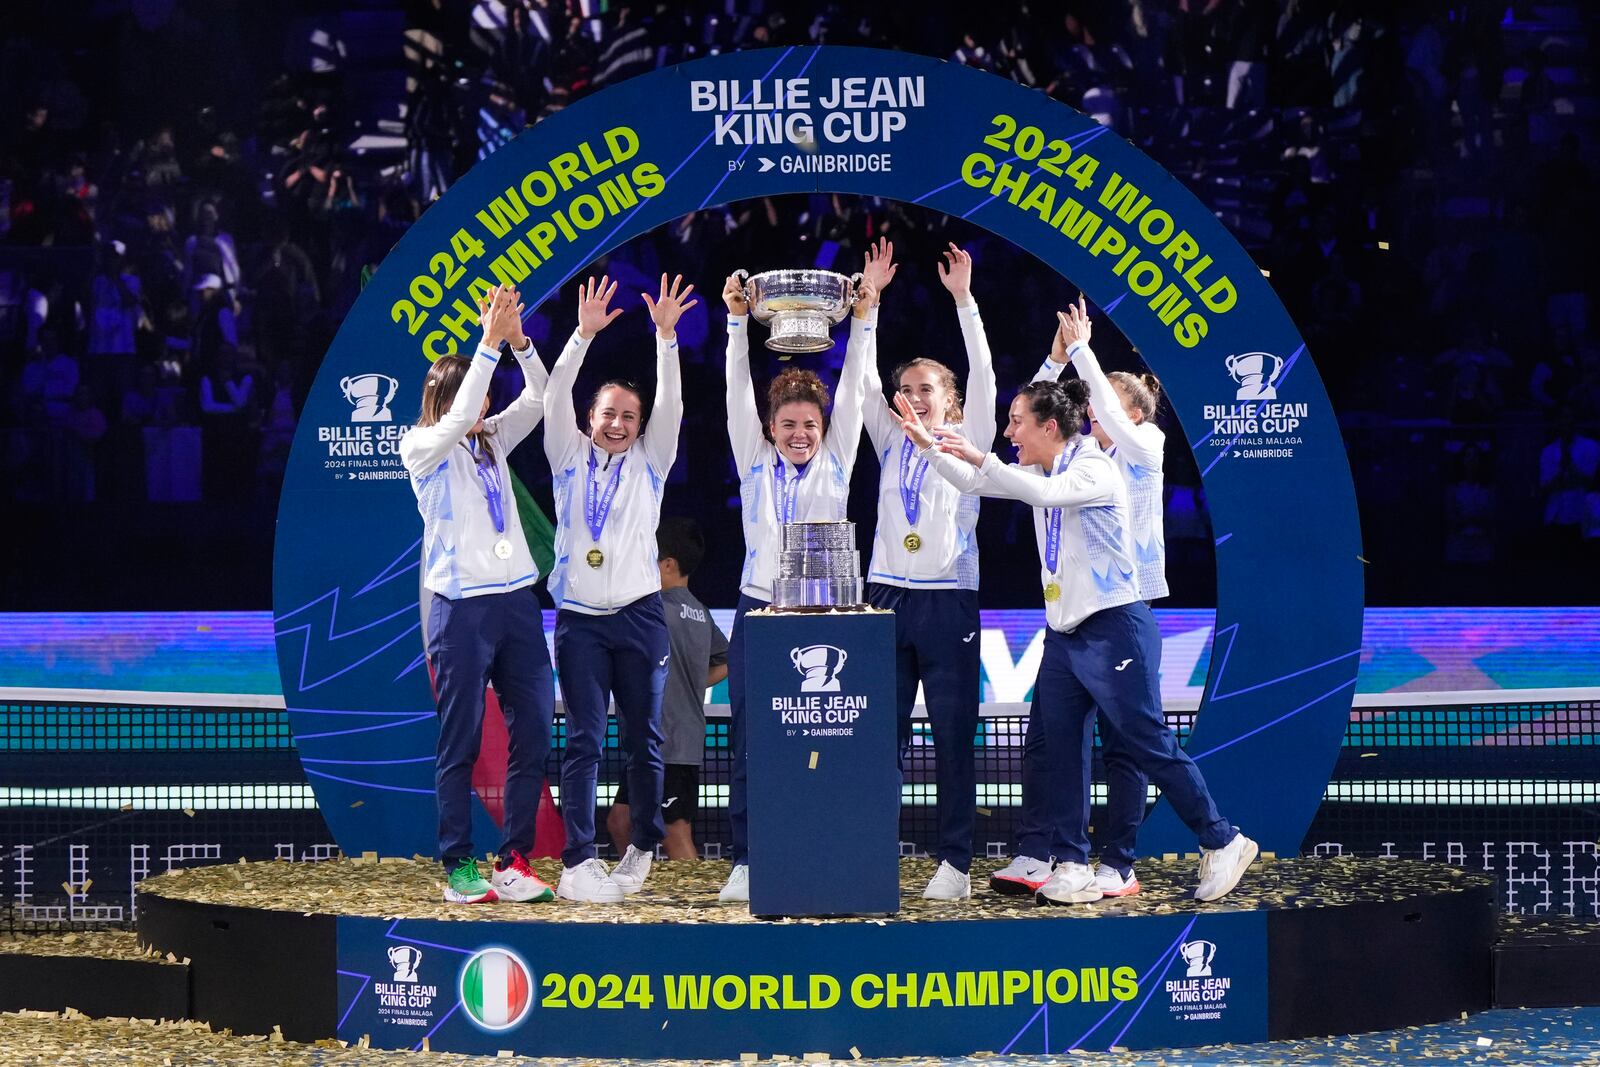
{"x":1380,"y":966}
{"x":252,"y":969}
{"x":133,"y":989}
{"x":1547,"y":962}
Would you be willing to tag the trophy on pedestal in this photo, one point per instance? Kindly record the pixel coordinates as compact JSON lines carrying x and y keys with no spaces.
{"x":819,"y":568}
{"x":799,"y":306}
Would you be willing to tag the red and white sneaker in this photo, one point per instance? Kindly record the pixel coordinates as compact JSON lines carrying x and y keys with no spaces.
{"x":516,"y":881}
{"x":1022,"y":877}
{"x":1112,"y":884}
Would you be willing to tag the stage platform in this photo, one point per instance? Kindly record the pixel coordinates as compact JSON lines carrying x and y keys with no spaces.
{"x":359,"y":949}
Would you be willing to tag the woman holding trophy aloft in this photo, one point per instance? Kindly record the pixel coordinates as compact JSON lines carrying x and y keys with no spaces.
{"x":1102,"y":646}
{"x":794,"y":468}
{"x":611,"y":635}
{"x":925,"y":560}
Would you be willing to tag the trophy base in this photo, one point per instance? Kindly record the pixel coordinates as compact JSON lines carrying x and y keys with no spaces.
{"x":825,"y":594}
{"x":800,"y":332}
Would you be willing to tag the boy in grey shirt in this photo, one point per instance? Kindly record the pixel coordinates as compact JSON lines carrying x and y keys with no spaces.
{"x":699,"y":661}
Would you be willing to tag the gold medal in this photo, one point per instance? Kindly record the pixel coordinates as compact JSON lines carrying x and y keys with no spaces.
{"x":595,"y":557}
{"x":1052,"y":593}
{"x":912,"y":541}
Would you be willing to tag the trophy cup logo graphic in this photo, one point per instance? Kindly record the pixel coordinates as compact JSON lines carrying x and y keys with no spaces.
{"x":405,"y":959}
{"x":819,"y":665}
{"x":1198,"y":955}
{"x":370,"y":396}
{"x":1249,"y":372}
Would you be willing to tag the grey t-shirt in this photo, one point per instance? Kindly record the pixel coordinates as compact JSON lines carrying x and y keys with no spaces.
{"x":697,"y":645}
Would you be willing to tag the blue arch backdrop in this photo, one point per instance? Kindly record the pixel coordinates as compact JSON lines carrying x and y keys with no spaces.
{"x":886,"y":124}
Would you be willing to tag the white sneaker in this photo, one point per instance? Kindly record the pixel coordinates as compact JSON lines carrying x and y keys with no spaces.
{"x":1221,"y":868}
{"x":1071,"y":883}
{"x":633,"y":869}
{"x":1111,"y":883}
{"x":948,"y":884}
{"x":1022,"y":876}
{"x":737,"y":891}
{"x":588,"y":882}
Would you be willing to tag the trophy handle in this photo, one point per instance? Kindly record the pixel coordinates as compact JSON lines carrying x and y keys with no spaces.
{"x":855,"y":286}
{"x":344,"y":387}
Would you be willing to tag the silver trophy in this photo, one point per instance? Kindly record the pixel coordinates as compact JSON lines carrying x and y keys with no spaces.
{"x":819,"y":568}
{"x":799,"y":306}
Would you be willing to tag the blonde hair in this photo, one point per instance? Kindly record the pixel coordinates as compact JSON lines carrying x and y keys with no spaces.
{"x":947,"y":378}
{"x":1144,"y":390}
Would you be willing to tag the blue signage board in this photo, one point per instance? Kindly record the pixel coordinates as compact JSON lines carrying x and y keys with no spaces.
{"x":1079,"y":198}
{"x":715,"y":991}
{"x":820,"y":718}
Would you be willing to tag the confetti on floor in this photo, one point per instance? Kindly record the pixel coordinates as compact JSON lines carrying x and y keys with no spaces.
{"x":679,"y":892}
{"x":1555,"y":1037}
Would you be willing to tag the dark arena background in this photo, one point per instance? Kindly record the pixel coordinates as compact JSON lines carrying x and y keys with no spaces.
{"x":194,"y":194}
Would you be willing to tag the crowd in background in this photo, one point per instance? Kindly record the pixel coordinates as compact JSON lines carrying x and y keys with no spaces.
{"x":191,"y":194}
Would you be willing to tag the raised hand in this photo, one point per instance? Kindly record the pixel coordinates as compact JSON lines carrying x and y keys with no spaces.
{"x":880,"y":267}
{"x":518,"y":339}
{"x":1075,"y":324}
{"x":667,"y":308}
{"x":592,"y":303}
{"x":866,"y":298}
{"x":497,"y":311}
{"x":911,"y":422}
{"x":952,"y":443}
{"x":733,"y":296}
{"x":955,"y":273}
{"x":1058,"y":343}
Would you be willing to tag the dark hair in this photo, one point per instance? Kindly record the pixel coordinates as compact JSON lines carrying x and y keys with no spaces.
{"x":1067,"y":402}
{"x":947,"y":378}
{"x":1143,"y":389}
{"x":620,"y":383}
{"x":439,"y":390}
{"x":681,"y":540}
{"x":797,"y":386}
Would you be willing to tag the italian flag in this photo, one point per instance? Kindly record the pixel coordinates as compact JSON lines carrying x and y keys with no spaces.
{"x":495,"y":989}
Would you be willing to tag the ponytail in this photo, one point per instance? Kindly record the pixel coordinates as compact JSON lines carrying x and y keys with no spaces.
{"x":1066,"y":402}
{"x":1143,"y":391}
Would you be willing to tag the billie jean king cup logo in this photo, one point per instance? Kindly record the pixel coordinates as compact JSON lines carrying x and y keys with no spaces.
{"x":1198,"y":955}
{"x":405,"y":960}
{"x":370,"y":395}
{"x":820,"y":666}
{"x":1249,"y":371}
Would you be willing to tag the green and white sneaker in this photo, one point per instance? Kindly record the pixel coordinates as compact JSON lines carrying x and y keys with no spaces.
{"x":467,"y":886}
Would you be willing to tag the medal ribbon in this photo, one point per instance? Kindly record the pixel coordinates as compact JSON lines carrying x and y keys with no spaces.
{"x":489,"y":474}
{"x":1052,"y":516}
{"x":596,"y":504}
{"x":911,"y":487}
{"x":786,"y":495}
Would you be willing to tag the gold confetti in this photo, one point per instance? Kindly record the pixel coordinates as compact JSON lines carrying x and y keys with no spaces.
{"x":813,"y":764}
{"x":358,"y":803}
{"x":748,"y":1057}
{"x":189,"y":812}
{"x":855,"y":1053}
{"x":1383,"y":246}
{"x":985,"y":811}
{"x":84,"y":888}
